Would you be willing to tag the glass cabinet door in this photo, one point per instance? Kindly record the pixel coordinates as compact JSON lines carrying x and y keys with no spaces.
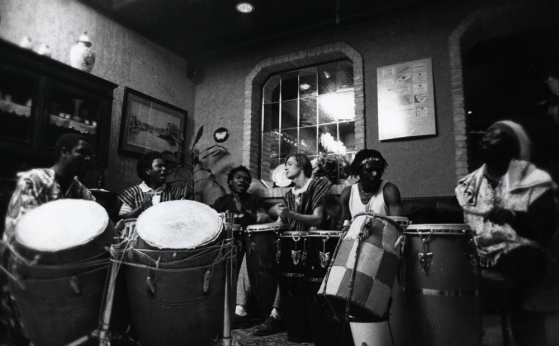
{"x":18,"y":90}
{"x":72,"y":110}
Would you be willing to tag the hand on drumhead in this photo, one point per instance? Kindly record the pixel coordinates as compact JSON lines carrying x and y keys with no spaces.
{"x":499,"y":216}
{"x":283,"y":211}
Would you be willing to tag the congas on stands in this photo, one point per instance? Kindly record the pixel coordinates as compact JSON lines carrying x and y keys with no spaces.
{"x":292,"y":256}
{"x":372,"y":237}
{"x":441,"y":280}
{"x":260,"y":247}
{"x":321,"y":246}
{"x":60,"y":262}
{"x":176,"y":275}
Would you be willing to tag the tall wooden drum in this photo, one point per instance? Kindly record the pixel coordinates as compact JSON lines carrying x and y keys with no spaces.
{"x":176,"y":275}
{"x":441,"y":280}
{"x":60,"y":262}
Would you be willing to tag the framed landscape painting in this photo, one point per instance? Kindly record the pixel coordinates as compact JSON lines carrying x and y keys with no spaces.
{"x":149,"y":124}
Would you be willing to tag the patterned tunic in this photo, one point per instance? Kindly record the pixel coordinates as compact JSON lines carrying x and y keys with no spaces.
{"x":306,"y":201}
{"x":134,"y":196}
{"x":521,"y":186}
{"x":37,"y":187}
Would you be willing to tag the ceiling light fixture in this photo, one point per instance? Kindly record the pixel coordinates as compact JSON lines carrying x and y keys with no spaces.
{"x":244,"y":7}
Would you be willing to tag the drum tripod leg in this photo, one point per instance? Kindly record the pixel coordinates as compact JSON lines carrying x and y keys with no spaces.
{"x":228,"y":275}
{"x":103,"y":333}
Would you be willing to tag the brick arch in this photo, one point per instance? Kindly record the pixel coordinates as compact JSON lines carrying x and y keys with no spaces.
{"x":316,"y":55}
{"x":482,"y":25}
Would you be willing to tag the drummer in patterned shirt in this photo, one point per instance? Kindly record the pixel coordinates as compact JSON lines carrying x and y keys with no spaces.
{"x":151,"y":168}
{"x":35,"y":188}
{"x":303,"y":208}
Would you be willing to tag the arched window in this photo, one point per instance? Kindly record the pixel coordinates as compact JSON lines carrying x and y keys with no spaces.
{"x":309,"y":111}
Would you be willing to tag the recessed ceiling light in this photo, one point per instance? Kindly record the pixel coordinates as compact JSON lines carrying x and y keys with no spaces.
{"x":244,"y":7}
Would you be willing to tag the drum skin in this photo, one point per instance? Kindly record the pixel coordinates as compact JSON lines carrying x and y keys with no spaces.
{"x":260,"y":248}
{"x":292,"y":288}
{"x":443,"y":305}
{"x":178,"y":312}
{"x":326,"y":330}
{"x":52,"y":310}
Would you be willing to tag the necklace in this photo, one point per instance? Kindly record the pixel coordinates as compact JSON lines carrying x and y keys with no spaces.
{"x":365,"y":193}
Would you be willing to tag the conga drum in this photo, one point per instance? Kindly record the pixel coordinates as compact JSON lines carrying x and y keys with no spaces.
{"x":441,"y":281}
{"x":176,"y":275}
{"x":321,"y":245}
{"x":367,"y":262}
{"x":260,"y":243}
{"x":393,"y":331}
{"x":60,"y":263}
{"x":292,"y":256}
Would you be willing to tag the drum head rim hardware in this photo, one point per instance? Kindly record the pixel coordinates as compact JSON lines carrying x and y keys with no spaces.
{"x":292,"y":275}
{"x":444,"y":293}
{"x":426,"y":257}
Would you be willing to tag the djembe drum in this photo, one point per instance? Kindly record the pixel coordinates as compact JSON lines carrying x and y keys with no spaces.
{"x":292,"y":256}
{"x":363,"y":272}
{"x":176,"y":275}
{"x":260,"y":247}
{"x":321,"y":246}
{"x":59,"y":263}
{"x":441,"y":280}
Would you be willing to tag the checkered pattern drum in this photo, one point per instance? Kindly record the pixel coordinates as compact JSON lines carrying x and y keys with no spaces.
{"x":376,"y":267}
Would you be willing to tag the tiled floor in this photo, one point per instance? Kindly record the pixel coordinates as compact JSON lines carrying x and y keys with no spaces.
{"x":492,"y":335}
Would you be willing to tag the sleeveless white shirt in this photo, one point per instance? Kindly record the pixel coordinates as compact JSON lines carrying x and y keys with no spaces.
{"x":376,"y":203}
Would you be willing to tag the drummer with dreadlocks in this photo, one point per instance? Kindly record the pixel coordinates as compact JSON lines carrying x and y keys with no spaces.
{"x":370,"y":193}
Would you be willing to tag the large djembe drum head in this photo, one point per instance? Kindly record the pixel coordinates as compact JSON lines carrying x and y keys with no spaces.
{"x":176,"y":283}
{"x":59,"y":261}
{"x":179,"y":225}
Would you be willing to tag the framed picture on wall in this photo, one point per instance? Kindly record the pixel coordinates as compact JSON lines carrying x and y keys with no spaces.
{"x":149,"y":124}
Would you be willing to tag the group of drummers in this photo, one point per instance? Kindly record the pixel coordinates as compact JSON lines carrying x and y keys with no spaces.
{"x":289,"y":248}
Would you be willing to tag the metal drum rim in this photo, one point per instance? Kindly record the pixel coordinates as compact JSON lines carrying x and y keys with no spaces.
{"x":294,"y":233}
{"x":318,"y":233}
{"x":369,"y":214}
{"x":439,"y":226}
{"x":265,"y":227}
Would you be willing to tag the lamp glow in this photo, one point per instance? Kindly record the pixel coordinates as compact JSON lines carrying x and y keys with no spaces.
{"x":244,"y":7}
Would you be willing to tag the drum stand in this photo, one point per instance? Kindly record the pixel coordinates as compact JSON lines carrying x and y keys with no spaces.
{"x":227,"y":340}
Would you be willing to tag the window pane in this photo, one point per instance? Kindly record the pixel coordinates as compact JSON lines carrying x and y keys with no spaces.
{"x":307,"y":141}
{"x":271,"y":90}
{"x":288,"y":144}
{"x":307,"y":82}
{"x":289,"y":86}
{"x":289,"y":114}
{"x":347,"y":135}
{"x":308,"y":112}
{"x":345,"y":76}
{"x":336,"y":107}
{"x":327,"y":79}
{"x":271,"y":117}
{"x":328,"y":139}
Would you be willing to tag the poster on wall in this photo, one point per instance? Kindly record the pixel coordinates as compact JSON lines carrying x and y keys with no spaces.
{"x":406,"y":106}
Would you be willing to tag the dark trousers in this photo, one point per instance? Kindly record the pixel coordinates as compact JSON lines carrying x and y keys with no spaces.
{"x":523,"y":268}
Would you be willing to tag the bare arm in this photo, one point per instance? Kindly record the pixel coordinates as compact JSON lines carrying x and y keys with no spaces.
{"x":311,"y":220}
{"x":392,"y":200}
{"x":135,"y":213}
{"x":344,"y":200}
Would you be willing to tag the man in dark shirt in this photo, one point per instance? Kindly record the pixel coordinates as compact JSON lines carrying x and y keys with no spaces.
{"x":248,"y":209}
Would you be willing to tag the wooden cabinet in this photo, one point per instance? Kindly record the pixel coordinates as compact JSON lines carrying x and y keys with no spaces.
{"x":41,"y":99}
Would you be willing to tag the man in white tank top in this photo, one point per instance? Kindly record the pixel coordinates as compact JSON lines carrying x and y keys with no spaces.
{"x":370,"y":193}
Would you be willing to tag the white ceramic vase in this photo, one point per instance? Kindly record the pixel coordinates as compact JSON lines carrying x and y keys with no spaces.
{"x":81,"y":55}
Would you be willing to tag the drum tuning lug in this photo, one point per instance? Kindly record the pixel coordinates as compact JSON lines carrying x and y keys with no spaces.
{"x":174,"y":254}
{"x":296,"y":256}
{"x":207,"y":278}
{"x":425,"y":261}
{"x":251,"y":248}
{"x":150,"y":284}
{"x":278,"y":255}
{"x":75,"y":283}
{"x":324,"y":259}
{"x":35,"y":260}
{"x":304,"y":257}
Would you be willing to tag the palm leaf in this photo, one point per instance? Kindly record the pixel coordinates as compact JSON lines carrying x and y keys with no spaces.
{"x":198,"y":135}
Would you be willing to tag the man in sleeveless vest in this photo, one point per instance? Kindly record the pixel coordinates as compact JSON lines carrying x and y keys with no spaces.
{"x":301,"y":209}
{"x":370,"y":193}
{"x":508,"y":202}
{"x":151,"y":168}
